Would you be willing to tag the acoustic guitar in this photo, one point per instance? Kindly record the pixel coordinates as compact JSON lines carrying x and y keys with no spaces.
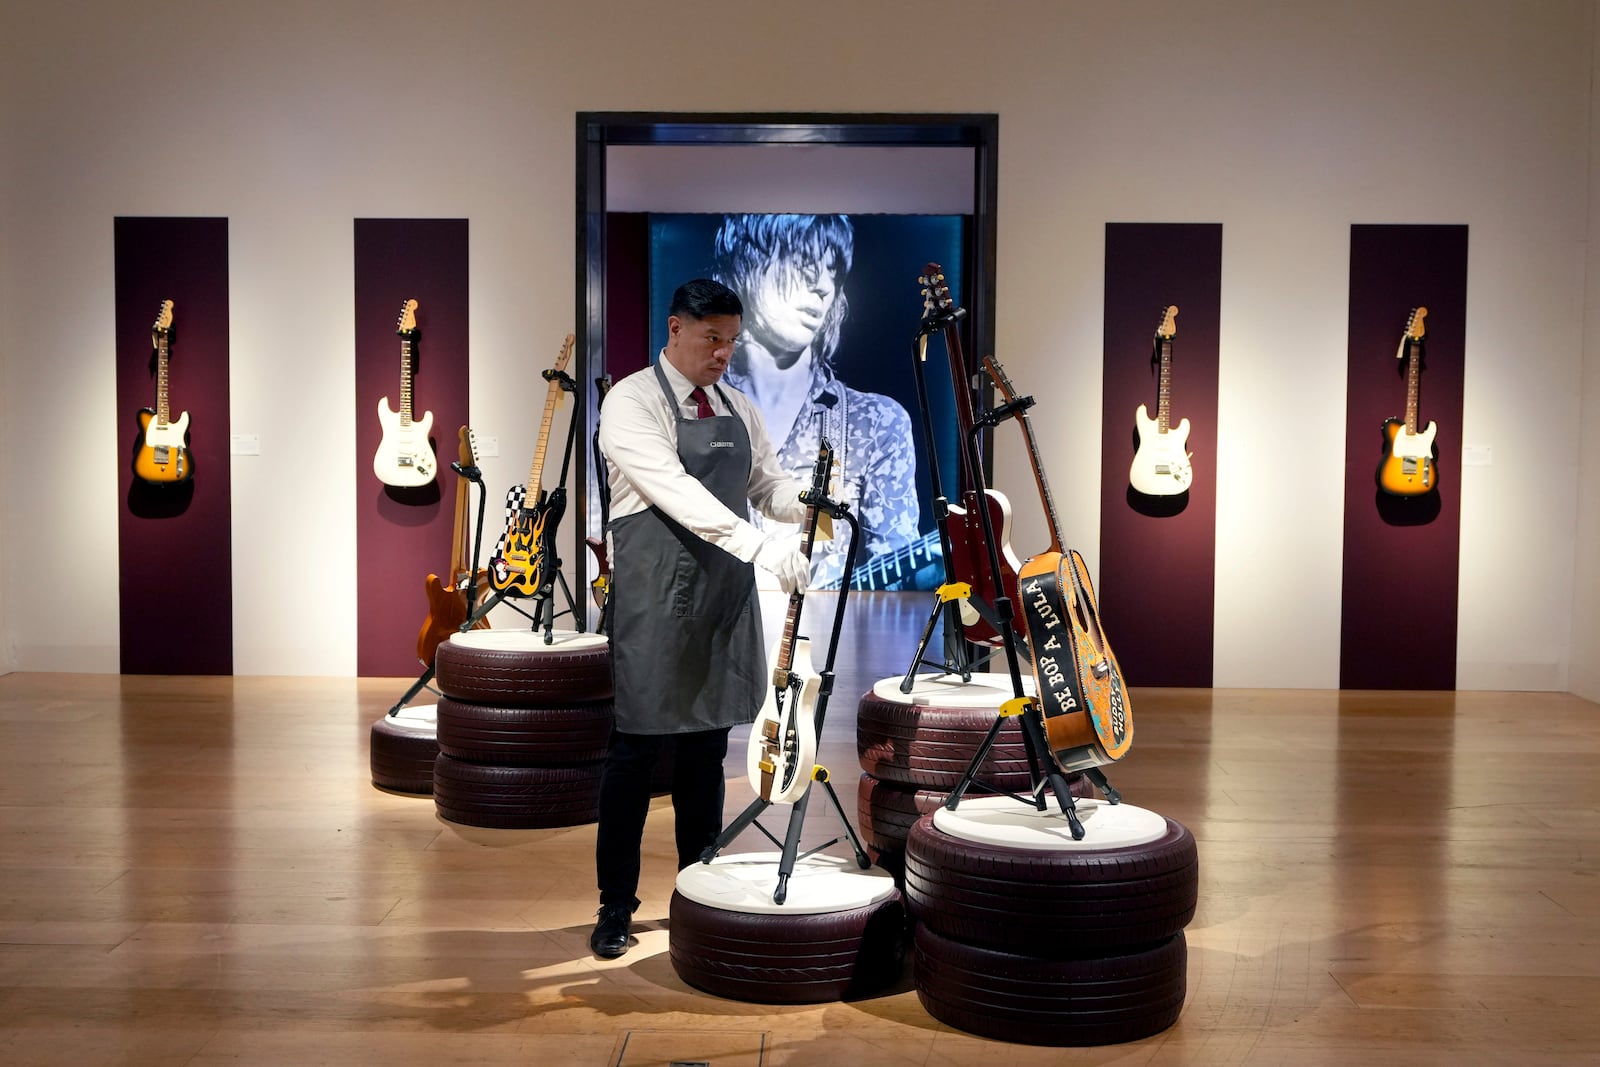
{"x":1161,"y":465}
{"x":161,"y":453}
{"x":405,"y":457}
{"x":1088,"y":720}
{"x":969,"y":545}
{"x":447,"y":600}
{"x":1410,"y":464}
{"x":520,"y":564}
{"x":783,"y":740}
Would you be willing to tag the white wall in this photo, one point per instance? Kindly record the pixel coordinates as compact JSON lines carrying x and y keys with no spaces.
{"x":1284,"y":122}
{"x":1584,"y":678}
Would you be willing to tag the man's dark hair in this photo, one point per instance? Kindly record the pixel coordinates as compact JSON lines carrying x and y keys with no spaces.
{"x":702,"y":298}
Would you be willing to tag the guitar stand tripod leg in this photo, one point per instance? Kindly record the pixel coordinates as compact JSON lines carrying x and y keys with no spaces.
{"x":416,"y":687}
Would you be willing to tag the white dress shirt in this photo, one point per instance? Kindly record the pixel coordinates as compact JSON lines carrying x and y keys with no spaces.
{"x":639,"y":437}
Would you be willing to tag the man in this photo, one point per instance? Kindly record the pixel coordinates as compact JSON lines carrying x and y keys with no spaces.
{"x":685,"y":458}
{"x":790,"y":273}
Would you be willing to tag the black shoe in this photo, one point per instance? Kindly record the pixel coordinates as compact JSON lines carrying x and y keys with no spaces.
{"x":610,"y":937}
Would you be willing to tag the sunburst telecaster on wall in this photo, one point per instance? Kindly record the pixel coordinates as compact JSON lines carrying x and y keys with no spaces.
{"x":1161,"y":465}
{"x":520,"y":564}
{"x":161,"y":455}
{"x":405,"y":457}
{"x":1410,"y":464}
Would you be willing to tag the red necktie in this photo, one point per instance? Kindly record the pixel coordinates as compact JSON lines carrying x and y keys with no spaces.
{"x":702,"y":404}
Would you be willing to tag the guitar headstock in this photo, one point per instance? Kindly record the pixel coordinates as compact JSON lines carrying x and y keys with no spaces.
{"x":1001,"y":382}
{"x":1169,"y":324}
{"x":163,"y":323}
{"x":566,"y":352}
{"x":1414,"y":327}
{"x":407,"y":323}
{"x":467,"y":449}
{"x":936,"y":298}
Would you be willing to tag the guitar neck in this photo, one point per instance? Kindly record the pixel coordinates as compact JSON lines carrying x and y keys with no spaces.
{"x":458,"y":534}
{"x":405,"y":381}
{"x":1164,"y":392}
{"x":536,"y":472}
{"x":1006,"y":390}
{"x":163,"y":412}
{"x":1413,"y":383}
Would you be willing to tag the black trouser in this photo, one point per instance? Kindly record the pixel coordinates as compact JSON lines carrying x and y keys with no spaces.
{"x":697,"y":794}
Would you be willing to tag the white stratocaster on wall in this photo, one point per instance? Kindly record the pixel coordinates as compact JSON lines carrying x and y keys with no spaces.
{"x":1161,"y":465}
{"x":404,"y":458}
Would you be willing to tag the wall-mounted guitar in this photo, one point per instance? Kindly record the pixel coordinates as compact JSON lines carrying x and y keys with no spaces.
{"x":1410,"y":464}
{"x":405,"y":457}
{"x":1161,"y":465}
{"x":520,"y":564}
{"x":1088,"y":720}
{"x":969,"y":548}
{"x":783,"y":741}
{"x":447,"y":603}
{"x":161,"y":454}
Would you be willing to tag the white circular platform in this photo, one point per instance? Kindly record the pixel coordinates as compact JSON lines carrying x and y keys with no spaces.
{"x":418,"y":716}
{"x":1009,"y":823}
{"x":529,"y":640}
{"x":948,"y":690}
{"x":745,"y":883}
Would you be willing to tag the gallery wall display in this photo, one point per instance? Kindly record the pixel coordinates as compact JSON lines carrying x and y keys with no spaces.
{"x":1158,"y":502}
{"x":411,"y":396}
{"x":174,"y":522}
{"x":1402,"y":504}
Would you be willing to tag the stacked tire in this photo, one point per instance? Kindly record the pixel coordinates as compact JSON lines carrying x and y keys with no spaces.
{"x":523,"y":728}
{"x":915,"y":748}
{"x":403,"y":747}
{"x":1023,"y":934}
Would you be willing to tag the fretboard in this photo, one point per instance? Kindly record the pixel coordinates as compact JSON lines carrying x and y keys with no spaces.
{"x":162,"y":410}
{"x":405,"y":381}
{"x":1006,"y":390}
{"x":536,"y":473}
{"x":1413,"y":383}
{"x":1164,"y":391}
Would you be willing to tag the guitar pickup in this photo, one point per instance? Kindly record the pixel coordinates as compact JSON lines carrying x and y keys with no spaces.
{"x":404,"y":461}
{"x":163,"y":453}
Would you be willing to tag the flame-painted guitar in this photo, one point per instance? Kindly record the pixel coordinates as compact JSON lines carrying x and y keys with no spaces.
{"x":783,"y":740}
{"x":969,"y":548}
{"x":447,"y":603}
{"x":520,"y":564}
{"x":161,"y":454}
{"x":1161,"y":465}
{"x":405,"y":457}
{"x":1088,"y":720}
{"x":1410,"y":464}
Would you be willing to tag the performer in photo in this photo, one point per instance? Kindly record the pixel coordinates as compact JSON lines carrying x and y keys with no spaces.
{"x":790,"y":271}
{"x":686,"y":460}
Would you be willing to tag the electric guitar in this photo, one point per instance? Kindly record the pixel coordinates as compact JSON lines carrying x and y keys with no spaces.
{"x":161,"y":454}
{"x":889,"y":570}
{"x":1161,"y":465}
{"x":1410,"y":464}
{"x":1088,"y":720}
{"x":404,"y":458}
{"x":969,"y":547}
{"x":520,"y":564}
{"x":600,"y":584}
{"x":783,"y":740}
{"x":447,"y":604}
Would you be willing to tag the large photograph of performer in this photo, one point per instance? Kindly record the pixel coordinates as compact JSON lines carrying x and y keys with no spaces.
{"x":831,"y":306}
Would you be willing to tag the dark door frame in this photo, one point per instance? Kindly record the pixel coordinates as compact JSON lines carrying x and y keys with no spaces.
{"x":598,"y":130}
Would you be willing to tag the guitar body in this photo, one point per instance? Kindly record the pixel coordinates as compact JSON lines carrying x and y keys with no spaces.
{"x":1410,"y":464}
{"x":405,"y":457}
{"x":969,"y":552}
{"x":600,"y":584}
{"x":1161,"y":465}
{"x":447,"y":611}
{"x":1088,"y":720}
{"x":161,"y":455}
{"x":786,"y":726}
{"x":520,"y":564}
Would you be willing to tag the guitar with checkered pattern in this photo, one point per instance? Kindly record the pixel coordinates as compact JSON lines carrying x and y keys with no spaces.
{"x":405,"y":457}
{"x":161,"y":455}
{"x":520,"y":564}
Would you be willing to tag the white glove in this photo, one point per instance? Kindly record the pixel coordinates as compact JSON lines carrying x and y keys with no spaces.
{"x":790,"y":510}
{"x":782,"y":556}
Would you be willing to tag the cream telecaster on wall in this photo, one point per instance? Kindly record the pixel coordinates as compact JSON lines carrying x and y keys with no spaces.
{"x":405,"y":458}
{"x":1161,"y":465}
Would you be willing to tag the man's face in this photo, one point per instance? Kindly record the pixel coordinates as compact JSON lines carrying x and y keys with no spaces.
{"x":701,"y":348}
{"x":789,"y":303}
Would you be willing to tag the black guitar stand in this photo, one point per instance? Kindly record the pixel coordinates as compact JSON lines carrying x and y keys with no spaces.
{"x":790,"y":845}
{"x":1045,"y":773}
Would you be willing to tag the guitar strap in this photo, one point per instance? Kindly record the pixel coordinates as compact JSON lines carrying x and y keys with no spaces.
{"x":1055,"y":662}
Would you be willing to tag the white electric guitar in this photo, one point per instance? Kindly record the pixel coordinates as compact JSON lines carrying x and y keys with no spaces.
{"x":405,"y":458}
{"x":1161,"y":465}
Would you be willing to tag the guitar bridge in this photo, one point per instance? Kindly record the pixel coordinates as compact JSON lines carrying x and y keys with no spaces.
{"x":163,"y":453}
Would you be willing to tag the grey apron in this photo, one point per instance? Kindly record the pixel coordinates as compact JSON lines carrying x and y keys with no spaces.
{"x":686,"y":645}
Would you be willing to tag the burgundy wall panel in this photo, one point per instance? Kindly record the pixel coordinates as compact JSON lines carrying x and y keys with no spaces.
{"x":1157,"y":554}
{"x":1402,"y":554}
{"x":175,"y":541}
{"x":404,"y":534}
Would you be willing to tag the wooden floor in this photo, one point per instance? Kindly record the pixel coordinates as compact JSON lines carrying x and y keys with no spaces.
{"x":198,"y":871}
